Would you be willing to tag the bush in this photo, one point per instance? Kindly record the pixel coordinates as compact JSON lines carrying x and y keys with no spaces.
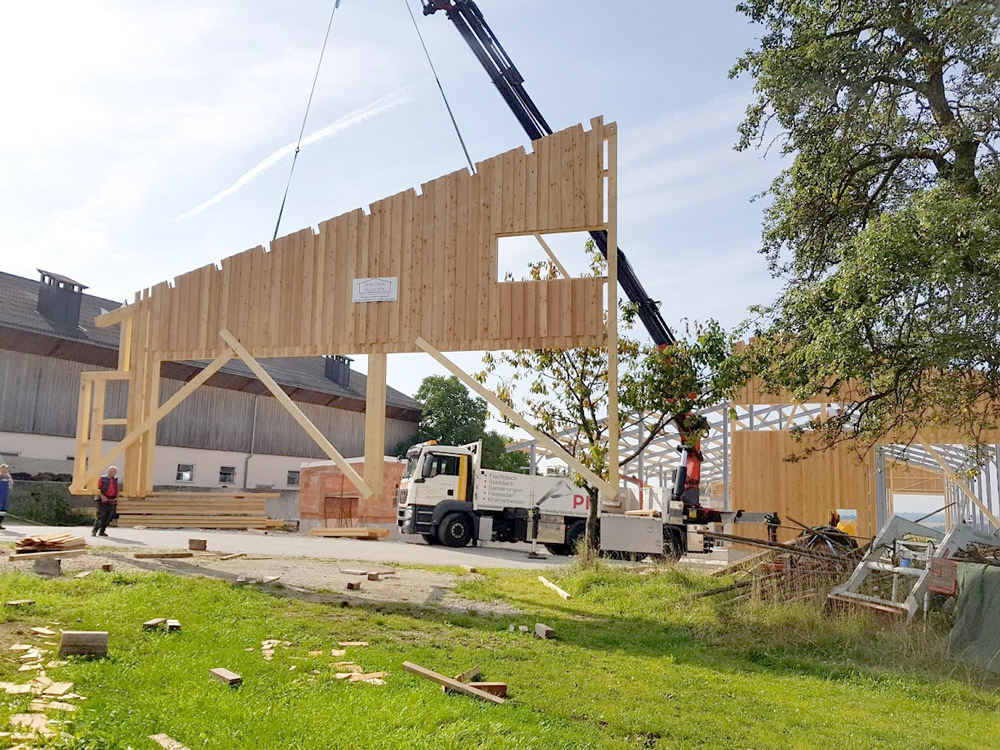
{"x":47,"y":503}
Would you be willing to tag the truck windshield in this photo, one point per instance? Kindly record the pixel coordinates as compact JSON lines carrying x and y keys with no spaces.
{"x":411,"y":465}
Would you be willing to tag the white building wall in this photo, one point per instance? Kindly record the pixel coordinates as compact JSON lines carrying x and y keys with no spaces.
{"x":263,"y":469}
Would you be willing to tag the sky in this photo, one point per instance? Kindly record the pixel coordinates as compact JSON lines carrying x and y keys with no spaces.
{"x":144,"y":139}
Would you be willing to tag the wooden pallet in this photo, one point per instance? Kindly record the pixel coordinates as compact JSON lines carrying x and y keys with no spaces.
{"x":352,"y":532}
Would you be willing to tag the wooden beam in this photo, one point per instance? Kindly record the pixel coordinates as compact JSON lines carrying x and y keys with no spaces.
{"x":959,"y":482}
{"x":458,"y":687}
{"x":114,"y":317}
{"x":552,"y":255}
{"x":151,"y":421}
{"x":375,"y":423}
{"x":325,"y":445}
{"x":554,"y":448}
{"x":611,"y":132}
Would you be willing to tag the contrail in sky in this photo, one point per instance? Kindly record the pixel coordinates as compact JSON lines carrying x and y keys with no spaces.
{"x":377,"y":107}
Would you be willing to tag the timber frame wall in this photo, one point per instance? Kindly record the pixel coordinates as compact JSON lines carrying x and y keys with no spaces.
{"x":296,"y":299}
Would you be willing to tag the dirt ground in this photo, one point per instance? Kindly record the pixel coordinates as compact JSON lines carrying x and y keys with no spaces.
{"x":309,"y":578}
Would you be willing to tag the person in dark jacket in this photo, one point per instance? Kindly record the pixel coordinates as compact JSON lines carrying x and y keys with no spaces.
{"x":107,"y":501}
{"x":6,"y":485}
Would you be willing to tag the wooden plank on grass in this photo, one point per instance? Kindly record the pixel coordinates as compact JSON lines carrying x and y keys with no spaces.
{"x":84,"y":643}
{"x":43,"y":631}
{"x":154,"y":623}
{"x":545,"y":581}
{"x":21,"y":603}
{"x":544,"y":631}
{"x":173,"y":626}
{"x":57,"y":689}
{"x":224,"y":675}
{"x":167,"y":742}
{"x":458,"y":687}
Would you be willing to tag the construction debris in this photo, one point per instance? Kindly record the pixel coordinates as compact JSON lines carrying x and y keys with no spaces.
{"x":267,"y":647}
{"x":84,"y":643}
{"x":51,"y":568}
{"x":173,"y":626}
{"x":57,"y":689}
{"x":45,"y":632}
{"x":199,"y":545}
{"x":48,"y":543}
{"x":21,"y":603}
{"x":154,"y":624}
{"x":458,"y":687}
{"x":347,"y":644}
{"x":544,"y":631}
{"x":545,"y":581}
{"x":232,"y":556}
{"x":354,"y":585}
{"x":225,"y":676}
{"x":499,"y":689}
{"x":83,"y":574}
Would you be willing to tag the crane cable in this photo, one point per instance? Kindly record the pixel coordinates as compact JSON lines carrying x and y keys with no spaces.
{"x":440,"y":87}
{"x":305,"y":117}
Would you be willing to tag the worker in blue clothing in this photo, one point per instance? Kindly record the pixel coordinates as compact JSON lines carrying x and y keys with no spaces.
{"x":107,"y":501}
{"x":6,"y":485}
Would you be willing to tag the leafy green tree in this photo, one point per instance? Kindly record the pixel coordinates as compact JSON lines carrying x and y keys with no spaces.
{"x":564,"y":392}
{"x":495,"y":455}
{"x":453,"y":416}
{"x":886,"y":226}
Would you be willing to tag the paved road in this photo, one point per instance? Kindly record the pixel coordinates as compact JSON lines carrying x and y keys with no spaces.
{"x":276,"y":544}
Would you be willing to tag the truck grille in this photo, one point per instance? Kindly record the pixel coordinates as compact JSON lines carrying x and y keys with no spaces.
{"x":401,"y":496}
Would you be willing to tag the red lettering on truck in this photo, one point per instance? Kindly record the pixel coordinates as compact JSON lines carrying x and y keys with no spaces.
{"x":581,"y":501}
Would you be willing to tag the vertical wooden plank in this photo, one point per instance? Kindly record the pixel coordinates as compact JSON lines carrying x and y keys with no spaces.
{"x":505,"y":312}
{"x":153,"y":396}
{"x":363,"y":270}
{"x":326,"y":286}
{"x":543,"y":148}
{"x":204,"y":304}
{"x":385,"y":252}
{"x":613,"y":426}
{"x":595,"y":165}
{"x":507,"y":196}
{"x":471,"y":258}
{"x":406,"y":333}
{"x":375,"y":424}
{"x":307,"y":273}
{"x":348,"y":262}
{"x":496,"y":207}
{"x":274,"y":302}
{"x":487,"y":274}
{"x":83,"y":407}
{"x":531,"y":192}
{"x":396,"y":250}
{"x":518,"y":220}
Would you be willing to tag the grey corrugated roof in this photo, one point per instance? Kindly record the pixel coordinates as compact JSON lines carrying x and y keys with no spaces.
{"x":19,"y":298}
{"x":18,"y":301}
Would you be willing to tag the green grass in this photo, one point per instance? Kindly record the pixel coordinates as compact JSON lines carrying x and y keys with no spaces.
{"x":635,"y":664}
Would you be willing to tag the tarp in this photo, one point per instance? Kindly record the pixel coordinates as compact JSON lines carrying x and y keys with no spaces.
{"x":975,"y":636}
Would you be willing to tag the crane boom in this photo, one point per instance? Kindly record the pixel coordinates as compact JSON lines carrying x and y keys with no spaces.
{"x":469,"y":21}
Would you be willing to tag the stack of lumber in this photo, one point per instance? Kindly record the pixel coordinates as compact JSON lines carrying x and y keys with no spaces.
{"x":207,"y":510}
{"x":47,"y":543}
{"x":350,"y":532}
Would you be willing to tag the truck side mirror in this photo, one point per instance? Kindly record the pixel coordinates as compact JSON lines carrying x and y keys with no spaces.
{"x":427,"y":468}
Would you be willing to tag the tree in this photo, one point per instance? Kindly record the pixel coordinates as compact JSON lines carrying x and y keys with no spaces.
{"x":453,"y":416}
{"x":886,"y":226}
{"x":564,"y":392}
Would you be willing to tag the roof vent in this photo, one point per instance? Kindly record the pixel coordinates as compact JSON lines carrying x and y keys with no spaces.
{"x":338,"y":369}
{"x":59,"y":299}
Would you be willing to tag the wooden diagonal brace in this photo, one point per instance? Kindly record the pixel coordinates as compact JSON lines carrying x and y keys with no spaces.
{"x":557,"y":450}
{"x":312,"y":430}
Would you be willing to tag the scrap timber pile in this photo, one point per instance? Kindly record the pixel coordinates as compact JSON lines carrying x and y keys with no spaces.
{"x":808,"y":567}
{"x":31,"y":545}
{"x":979,"y":553}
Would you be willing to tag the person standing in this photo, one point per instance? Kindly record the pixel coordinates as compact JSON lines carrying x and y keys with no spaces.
{"x":6,"y":485}
{"x":107,"y":501}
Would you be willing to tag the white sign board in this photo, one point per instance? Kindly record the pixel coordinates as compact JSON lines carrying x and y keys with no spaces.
{"x":376,"y":290}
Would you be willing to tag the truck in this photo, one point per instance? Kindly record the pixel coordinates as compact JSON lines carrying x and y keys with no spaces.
{"x":446,"y":497}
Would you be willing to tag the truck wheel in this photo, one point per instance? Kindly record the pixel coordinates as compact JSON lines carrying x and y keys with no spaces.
{"x":673,"y":549}
{"x":574,"y":535}
{"x":557,"y":549}
{"x":455,"y":530}
{"x":430,"y":538}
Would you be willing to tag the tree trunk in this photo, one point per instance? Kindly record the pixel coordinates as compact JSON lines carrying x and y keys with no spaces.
{"x":591,"y":535}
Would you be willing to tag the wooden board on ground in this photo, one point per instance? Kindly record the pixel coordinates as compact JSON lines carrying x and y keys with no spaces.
{"x":353,"y":532}
{"x":224,"y":675}
{"x":458,"y":687}
{"x":199,"y":545}
{"x":167,"y":742}
{"x":555,"y":588}
{"x":21,"y":603}
{"x":84,"y":643}
{"x":161,"y":555}
{"x":154,"y":623}
{"x":45,"y":555}
{"x":544,"y":631}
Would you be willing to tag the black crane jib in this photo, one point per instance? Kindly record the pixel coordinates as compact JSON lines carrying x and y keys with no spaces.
{"x":469,"y":21}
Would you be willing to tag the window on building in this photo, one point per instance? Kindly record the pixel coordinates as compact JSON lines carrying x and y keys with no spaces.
{"x":185,"y":472}
{"x":227,"y":474}
{"x":293,"y":479}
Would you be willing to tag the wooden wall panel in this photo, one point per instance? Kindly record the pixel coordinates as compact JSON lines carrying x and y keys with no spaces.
{"x":441,"y":245}
{"x":806,"y":490}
